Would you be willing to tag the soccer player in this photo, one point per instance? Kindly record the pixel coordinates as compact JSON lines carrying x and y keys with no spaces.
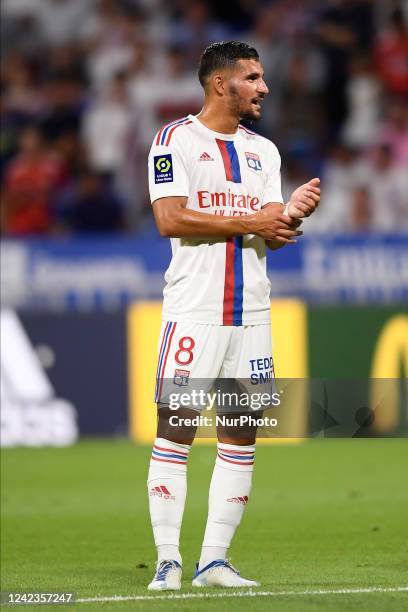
{"x":216,"y":193}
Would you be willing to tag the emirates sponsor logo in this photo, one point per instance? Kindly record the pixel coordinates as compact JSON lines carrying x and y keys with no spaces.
{"x":227,"y":200}
{"x":161,"y":491}
{"x":205,"y":157}
{"x":238,"y":500}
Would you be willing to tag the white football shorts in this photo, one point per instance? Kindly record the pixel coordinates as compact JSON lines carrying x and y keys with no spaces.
{"x":195,"y":356}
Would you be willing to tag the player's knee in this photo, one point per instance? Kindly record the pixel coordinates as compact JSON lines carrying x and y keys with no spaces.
{"x":175,"y":425}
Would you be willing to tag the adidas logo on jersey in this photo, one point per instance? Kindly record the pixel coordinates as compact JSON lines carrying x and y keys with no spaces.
{"x":161,"y":491}
{"x":205,"y":157}
{"x":238,"y":500}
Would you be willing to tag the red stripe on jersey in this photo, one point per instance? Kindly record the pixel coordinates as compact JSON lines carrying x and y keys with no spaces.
{"x":165,"y":361}
{"x":159,"y":135}
{"x":228,"y":306}
{"x":161,"y":131}
{"x":164,"y":129}
{"x":225,"y":158}
{"x":169,"y":135}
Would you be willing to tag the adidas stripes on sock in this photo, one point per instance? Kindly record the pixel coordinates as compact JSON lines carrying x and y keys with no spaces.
{"x":229,"y":491}
{"x":167,"y":488}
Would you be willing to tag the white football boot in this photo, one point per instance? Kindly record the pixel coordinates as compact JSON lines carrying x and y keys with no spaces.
{"x":167,"y":577}
{"x":220,"y":573}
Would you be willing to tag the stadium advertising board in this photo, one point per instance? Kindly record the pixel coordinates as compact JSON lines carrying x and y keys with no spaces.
{"x":63,"y":375}
{"x":95,"y":272}
{"x":354,"y":359}
{"x":73,"y":374}
{"x":31,"y":412}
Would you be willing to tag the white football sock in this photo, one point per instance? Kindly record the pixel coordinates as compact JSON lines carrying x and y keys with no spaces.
{"x":167,"y":488}
{"x":229,"y":491}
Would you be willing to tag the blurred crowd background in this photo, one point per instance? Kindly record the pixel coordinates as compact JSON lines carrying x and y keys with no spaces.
{"x":87,"y":83}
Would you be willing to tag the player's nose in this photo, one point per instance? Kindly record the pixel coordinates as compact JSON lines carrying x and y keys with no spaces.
{"x":263,"y":88}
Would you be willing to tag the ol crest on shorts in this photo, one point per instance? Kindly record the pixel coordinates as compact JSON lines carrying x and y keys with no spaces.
{"x":253,"y":161}
{"x":163,"y":168}
{"x":181,"y":377}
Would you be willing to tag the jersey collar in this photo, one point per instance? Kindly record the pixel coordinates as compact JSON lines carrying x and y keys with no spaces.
{"x":196,"y":120}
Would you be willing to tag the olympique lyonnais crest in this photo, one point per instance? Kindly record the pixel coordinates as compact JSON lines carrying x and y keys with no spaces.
{"x":181,"y":377}
{"x":253,"y":161}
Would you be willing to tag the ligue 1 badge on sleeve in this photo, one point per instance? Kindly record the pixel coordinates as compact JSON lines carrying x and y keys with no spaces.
{"x":163,"y":168}
{"x":181,"y":377}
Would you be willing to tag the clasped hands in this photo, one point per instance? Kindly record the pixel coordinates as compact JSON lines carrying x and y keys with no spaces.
{"x":282,"y":228}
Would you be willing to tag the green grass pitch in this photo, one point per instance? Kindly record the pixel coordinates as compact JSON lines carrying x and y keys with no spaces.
{"x":323,"y":515}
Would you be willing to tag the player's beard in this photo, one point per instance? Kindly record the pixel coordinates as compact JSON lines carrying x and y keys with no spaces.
{"x":249,"y":116}
{"x":239,"y":108}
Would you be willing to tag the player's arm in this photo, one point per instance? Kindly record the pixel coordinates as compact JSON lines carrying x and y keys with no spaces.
{"x":175,"y":220}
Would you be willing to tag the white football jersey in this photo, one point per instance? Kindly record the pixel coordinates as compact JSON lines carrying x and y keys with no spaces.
{"x":220,"y":281}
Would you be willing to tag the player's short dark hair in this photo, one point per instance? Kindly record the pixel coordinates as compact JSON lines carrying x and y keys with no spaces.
{"x":223,"y":55}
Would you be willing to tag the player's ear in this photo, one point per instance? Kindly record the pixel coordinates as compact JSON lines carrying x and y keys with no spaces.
{"x":218,"y":83}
